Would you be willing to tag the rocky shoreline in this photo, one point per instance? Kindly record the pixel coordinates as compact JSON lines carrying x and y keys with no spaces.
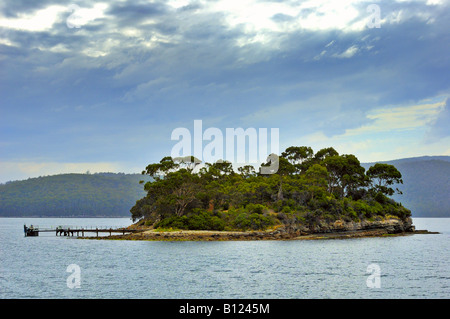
{"x":336,"y":230}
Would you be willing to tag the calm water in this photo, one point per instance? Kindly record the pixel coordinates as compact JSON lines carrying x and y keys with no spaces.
{"x":411,"y":267}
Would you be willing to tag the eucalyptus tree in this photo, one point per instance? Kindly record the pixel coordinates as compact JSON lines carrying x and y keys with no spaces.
{"x":297,"y":156}
{"x":382,"y":176}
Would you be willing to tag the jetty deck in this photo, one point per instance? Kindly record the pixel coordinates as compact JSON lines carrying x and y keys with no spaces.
{"x":34,"y":231}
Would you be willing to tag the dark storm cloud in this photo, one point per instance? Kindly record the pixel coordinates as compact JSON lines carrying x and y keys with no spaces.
{"x":132,"y":12}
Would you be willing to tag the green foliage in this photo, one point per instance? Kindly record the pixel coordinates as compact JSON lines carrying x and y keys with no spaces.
{"x":252,"y":221}
{"x":315,"y":188}
{"x":199,"y":220}
{"x":73,"y":195}
{"x":255,"y":208}
{"x":306,"y":188}
{"x":383,"y":176}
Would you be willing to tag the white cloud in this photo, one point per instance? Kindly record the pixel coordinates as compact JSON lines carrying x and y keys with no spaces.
{"x":436,"y":2}
{"x":314,"y":15}
{"x":255,"y":18}
{"x":319,"y":56}
{"x":40,"y":20}
{"x":253,"y":14}
{"x":396,"y":132}
{"x":178,"y":3}
{"x":44,"y":19}
{"x":326,"y":15}
{"x":400,"y":118}
{"x":330,"y":44}
{"x":81,"y":16}
{"x":7,"y":42}
{"x":59,"y":48}
{"x":351,"y":51}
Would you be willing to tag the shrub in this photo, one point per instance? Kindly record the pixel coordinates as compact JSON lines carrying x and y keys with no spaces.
{"x":198,"y":220}
{"x":255,"y":208}
{"x":380,"y":198}
{"x":204,"y":220}
{"x":148,"y":223}
{"x":362,"y":208}
{"x":286,"y":210}
{"x":242,"y":221}
{"x":176,"y":222}
{"x":253,"y":221}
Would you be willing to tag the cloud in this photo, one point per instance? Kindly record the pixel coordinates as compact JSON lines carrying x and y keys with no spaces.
{"x":132,"y":12}
{"x":440,"y":128}
{"x":41,"y":20}
{"x":395,"y":132}
{"x":139,"y":69}
{"x":351,"y":51}
{"x":399,"y":118}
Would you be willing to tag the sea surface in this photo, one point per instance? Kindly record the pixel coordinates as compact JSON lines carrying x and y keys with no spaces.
{"x":415,"y":266}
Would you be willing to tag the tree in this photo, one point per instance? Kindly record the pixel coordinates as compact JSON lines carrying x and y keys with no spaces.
{"x":285,"y":168}
{"x":345,"y":173}
{"x":247,"y":171}
{"x":384,"y":175}
{"x":162,"y":168}
{"x":218,"y":170}
{"x":142,"y":209}
{"x":297,"y":155}
{"x":319,"y":157}
{"x":324,"y":153}
{"x":316,"y":179}
{"x":354,"y":175}
{"x":185,"y":194}
{"x":297,"y":185}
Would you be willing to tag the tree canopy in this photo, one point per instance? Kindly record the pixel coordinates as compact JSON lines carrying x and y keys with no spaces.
{"x":306,"y":187}
{"x":383,"y":176}
{"x":72,"y":195}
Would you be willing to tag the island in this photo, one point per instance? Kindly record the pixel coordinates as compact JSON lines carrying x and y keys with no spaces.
{"x":296,"y":195}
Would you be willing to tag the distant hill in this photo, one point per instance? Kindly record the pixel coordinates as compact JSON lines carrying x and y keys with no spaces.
{"x":426,"y":185}
{"x":72,"y":195}
{"x":426,"y":189}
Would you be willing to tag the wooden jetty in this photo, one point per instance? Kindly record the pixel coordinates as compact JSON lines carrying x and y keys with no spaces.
{"x":34,"y":231}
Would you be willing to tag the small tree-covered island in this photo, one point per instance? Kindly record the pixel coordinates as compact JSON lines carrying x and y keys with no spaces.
{"x":309,"y":195}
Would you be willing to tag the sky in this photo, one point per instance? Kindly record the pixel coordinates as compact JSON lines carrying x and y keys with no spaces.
{"x":100,"y":86}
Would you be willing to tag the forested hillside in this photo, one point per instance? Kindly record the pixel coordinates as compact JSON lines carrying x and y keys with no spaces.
{"x":426,"y":185}
{"x":72,"y":195}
